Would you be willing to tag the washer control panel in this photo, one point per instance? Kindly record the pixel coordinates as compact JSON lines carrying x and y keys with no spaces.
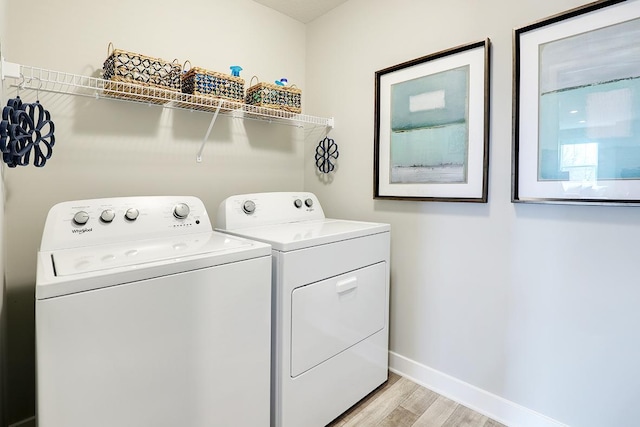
{"x":100,"y":221}
{"x":250,"y":210}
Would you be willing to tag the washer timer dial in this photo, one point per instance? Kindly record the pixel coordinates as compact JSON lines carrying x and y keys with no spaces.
{"x":181,"y":210}
{"x":80,"y":218}
{"x":249,"y":207}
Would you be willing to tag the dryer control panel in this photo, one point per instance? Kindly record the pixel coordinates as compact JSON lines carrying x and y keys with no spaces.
{"x":100,"y":221}
{"x":258,"y":209}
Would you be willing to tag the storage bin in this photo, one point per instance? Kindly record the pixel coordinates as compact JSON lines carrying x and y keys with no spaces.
{"x":212,"y":85}
{"x":135,"y":76}
{"x":285,"y":98}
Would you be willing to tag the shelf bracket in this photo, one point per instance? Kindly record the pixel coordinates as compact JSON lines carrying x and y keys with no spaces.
{"x":330,"y":123}
{"x":206,"y":136}
{"x":10,"y":69}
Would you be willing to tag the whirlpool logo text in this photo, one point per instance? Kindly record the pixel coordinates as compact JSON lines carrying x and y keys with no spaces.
{"x":82,"y":230}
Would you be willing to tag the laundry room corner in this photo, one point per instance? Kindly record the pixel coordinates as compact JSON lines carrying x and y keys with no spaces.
{"x":522,"y":310}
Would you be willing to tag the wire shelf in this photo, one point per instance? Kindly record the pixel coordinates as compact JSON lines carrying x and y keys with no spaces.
{"x":40,"y":79}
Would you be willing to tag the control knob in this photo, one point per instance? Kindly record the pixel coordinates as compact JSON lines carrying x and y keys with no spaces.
{"x":249,"y":207}
{"x":107,"y":215}
{"x":297,"y":203}
{"x":181,"y":210}
{"x":308,"y":203}
{"x":131,"y":214}
{"x":81,"y":218}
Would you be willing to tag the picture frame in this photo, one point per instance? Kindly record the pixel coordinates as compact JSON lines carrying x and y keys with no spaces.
{"x":432,"y":127}
{"x":576,"y":107}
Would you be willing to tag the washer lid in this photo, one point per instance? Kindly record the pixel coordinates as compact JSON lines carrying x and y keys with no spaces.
{"x":97,"y":258}
{"x":298,"y":235}
{"x":80,"y":269}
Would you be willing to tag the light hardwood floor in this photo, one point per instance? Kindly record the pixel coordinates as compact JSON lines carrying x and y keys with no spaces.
{"x":402,"y":403}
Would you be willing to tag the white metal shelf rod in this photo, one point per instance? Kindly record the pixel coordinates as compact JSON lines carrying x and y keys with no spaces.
{"x":206,"y":136}
{"x":40,"y":79}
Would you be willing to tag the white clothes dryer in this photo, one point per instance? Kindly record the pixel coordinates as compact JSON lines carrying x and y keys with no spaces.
{"x":330,"y":303}
{"x":145,"y":317}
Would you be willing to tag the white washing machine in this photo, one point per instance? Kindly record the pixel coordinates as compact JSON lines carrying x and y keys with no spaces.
{"x":145,"y":317}
{"x":330,"y":298}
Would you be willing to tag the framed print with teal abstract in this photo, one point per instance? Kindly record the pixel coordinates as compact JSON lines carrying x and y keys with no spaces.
{"x":576,"y":130}
{"x":432,"y":127}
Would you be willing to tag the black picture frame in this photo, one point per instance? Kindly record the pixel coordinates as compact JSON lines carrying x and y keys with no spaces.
{"x":576,"y":107}
{"x":432,"y":127}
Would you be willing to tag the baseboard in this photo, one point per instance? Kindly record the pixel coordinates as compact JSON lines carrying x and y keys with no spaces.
{"x":29,"y":422}
{"x":495,"y":407}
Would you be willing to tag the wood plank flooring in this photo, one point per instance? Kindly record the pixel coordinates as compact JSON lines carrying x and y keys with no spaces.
{"x":401,"y":403}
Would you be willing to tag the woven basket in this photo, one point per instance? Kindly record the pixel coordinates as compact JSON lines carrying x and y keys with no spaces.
{"x":285,"y":98}
{"x":134,"y":76}
{"x":206,"y":84}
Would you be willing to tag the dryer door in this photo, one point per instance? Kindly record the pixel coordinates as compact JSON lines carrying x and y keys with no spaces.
{"x":330,"y":316}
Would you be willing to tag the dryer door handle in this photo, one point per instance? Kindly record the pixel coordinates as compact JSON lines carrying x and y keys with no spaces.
{"x":346,"y":285}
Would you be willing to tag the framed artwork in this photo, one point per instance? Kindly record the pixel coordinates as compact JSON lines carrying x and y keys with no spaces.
{"x":576,"y":121}
{"x":432,"y":127}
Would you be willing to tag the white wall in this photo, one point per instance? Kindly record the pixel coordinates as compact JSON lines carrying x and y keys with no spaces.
{"x":107,"y":148}
{"x":536,"y":304}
